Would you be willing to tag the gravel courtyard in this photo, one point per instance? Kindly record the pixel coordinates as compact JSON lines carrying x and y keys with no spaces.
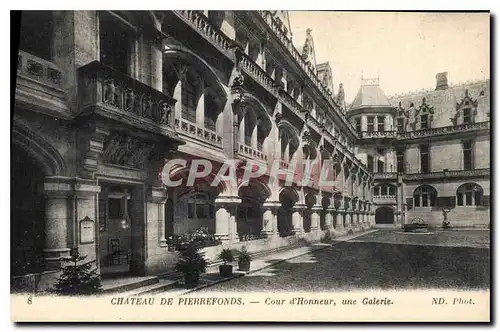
{"x":384,"y":259}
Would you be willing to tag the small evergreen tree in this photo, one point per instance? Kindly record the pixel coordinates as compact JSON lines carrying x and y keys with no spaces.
{"x":78,"y":279}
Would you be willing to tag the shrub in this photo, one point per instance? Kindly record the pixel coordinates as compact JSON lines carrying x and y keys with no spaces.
{"x":226,"y":255}
{"x":244,"y":255}
{"x":78,"y":279}
{"x":191,"y":262}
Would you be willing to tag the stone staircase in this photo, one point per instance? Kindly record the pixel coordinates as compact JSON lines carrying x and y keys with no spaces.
{"x":136,"y":286}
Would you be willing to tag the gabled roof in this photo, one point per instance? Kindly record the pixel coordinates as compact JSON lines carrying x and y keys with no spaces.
{"x":370,"y":95}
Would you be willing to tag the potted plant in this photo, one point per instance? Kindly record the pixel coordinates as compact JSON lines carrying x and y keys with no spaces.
{"x":226,"y":269}
{"x":244,"y":260}
{"x":191,"y":264}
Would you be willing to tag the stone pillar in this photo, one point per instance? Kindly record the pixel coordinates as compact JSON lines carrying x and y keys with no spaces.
{"x":329,"y":219}
{"x":270,"y":219}
{"x":297,"y":218}
{"x":58,"y":219}
{"x":315,"y":218}
{"x":364,"y":124}
{"x":157,"y":66}
{"x":339,"y":220}
{"x":348,"y":219}
{"x":225,"y":218}
{"x":157,"y":198}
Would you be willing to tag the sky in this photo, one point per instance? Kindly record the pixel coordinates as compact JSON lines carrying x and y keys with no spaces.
{"x":406,"y":50}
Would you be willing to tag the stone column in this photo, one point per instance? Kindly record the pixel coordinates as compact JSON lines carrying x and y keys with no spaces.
{"x":58,"y":218}
{"x":329,"y":218}
{"x":348,"y":219}
{"x":315,"y":218}
{"x":157,"y":65}
{"x":157,"y":198}
{"x":270,"y":219}
{"x":297,"y":218}
{"x":225,"y":218}
{"x":339,"y":220}
{"x":364,"y":124}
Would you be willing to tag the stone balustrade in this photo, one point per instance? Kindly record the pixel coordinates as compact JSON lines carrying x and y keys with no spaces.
{"x":385,"y":176}
{"x":251,"y":153}
{"x":432,"y":132}
{"x":113,"y":94}
{"x":200,"y":22}
{"x":378,"y":134}
{"x":38,"y":69}
{"x":481,"y":172}
{"x":190,"y":129}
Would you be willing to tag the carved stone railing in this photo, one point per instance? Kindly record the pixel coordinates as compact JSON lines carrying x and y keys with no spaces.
{"x":190,"y":129}
{"x":200,"y":22}
{"x":444,"y":130}
{"x":289,"y":101}
{"x":384,"y":198}
{"x":482,"y":172}
{"x":253,"y":69}
{"x":385,"y":176}
{"x":120,"y":97}
{"x":43,"y":71}
{"x":251,"y":153}
{"x":378,"y":134}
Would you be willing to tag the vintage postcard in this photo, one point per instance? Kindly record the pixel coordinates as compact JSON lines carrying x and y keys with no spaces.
{"x":242,"y":166}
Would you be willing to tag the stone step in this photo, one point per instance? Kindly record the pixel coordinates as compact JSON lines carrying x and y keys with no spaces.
{"x":120,"y":285}
{"x":161,"y":286}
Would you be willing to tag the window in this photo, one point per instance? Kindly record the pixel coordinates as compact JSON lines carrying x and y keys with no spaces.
{"x":358,"y":125}
{"x":467,"y":148}
{"x":392,"y":190}
{"x":424,"y":159}
{"x":211,"y":114}
{"x":370,"y":163}
{"x":189,"y":97}
{"x":200,"y":206}
{"x":114,"y":208}
{"x":380,"y":166}
{"x":37,"y":33}
{"x":424,"y":196}
{"x":400,"y":160}
{"x":469,"y":194}
{"x":467,"y":116}
{"x":370,"y":124}
{"x":401,"y":125}
{"x":115,"y":44}
{"x":424,"y":121}
{"x":380,"y":123}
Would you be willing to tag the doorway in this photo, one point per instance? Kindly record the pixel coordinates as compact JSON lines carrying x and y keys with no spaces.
{"x":119,"y":230}
{"x":384,"y":215}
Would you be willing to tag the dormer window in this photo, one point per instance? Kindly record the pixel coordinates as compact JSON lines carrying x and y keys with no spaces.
{"x":467,"y":116}
{"x":424,"y":121}
{"x":401,"y":125}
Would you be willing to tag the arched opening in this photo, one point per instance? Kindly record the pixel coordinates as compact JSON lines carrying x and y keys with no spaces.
{"x":288,"y":197}
{"x":27,"y":222}
{"x":424,"y":196}
{"x":250,"y":213}
{"x":469,"y":194}
{"x":289,"y":141}
{"x":255,"y":125}
{"x":384,"y":215}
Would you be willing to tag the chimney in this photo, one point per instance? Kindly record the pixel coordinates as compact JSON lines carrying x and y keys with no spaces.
{"x":442,"y":81}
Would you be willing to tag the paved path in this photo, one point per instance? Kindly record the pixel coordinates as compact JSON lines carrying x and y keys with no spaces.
{"x":365,"y":264}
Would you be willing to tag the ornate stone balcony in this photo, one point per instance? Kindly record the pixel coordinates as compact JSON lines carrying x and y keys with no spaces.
{"x":39,"y":85}
{"x":254,"y":70}
{"x":112,"y":94}
{"x":191,"y":130}
{"x":378,"y":134}
{"x":197,"y":20}
{"x":385,"y":176}
{"x":432,"y":132}
{"x":251,"y":153}
{"x":385,"y":199}
{"x":481,"y":172}
{"x":289,"y":101}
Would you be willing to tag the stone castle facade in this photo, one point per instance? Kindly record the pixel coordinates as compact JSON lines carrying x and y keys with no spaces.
{"x":104,"y":99}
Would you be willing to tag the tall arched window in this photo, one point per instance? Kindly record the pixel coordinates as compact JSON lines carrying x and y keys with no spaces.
{"x":289,"y":142}
{"x":424,"y":196}
{"x":191,"y":87}
{"x":469,"y":194}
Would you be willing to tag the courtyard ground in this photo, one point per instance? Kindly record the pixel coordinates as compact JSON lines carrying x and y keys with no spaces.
{"x":384,"y":259}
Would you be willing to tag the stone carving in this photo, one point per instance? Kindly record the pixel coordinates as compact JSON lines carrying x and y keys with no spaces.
{"x":128,"y":151}
{"x":109,"y":92}
{"x":278,"y":117}
{"x":165,"y":113}
{"x":308,"y":48}
{"x":340,"y":97}
{"x":466,"y":102}
{"x":130,"y":101}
